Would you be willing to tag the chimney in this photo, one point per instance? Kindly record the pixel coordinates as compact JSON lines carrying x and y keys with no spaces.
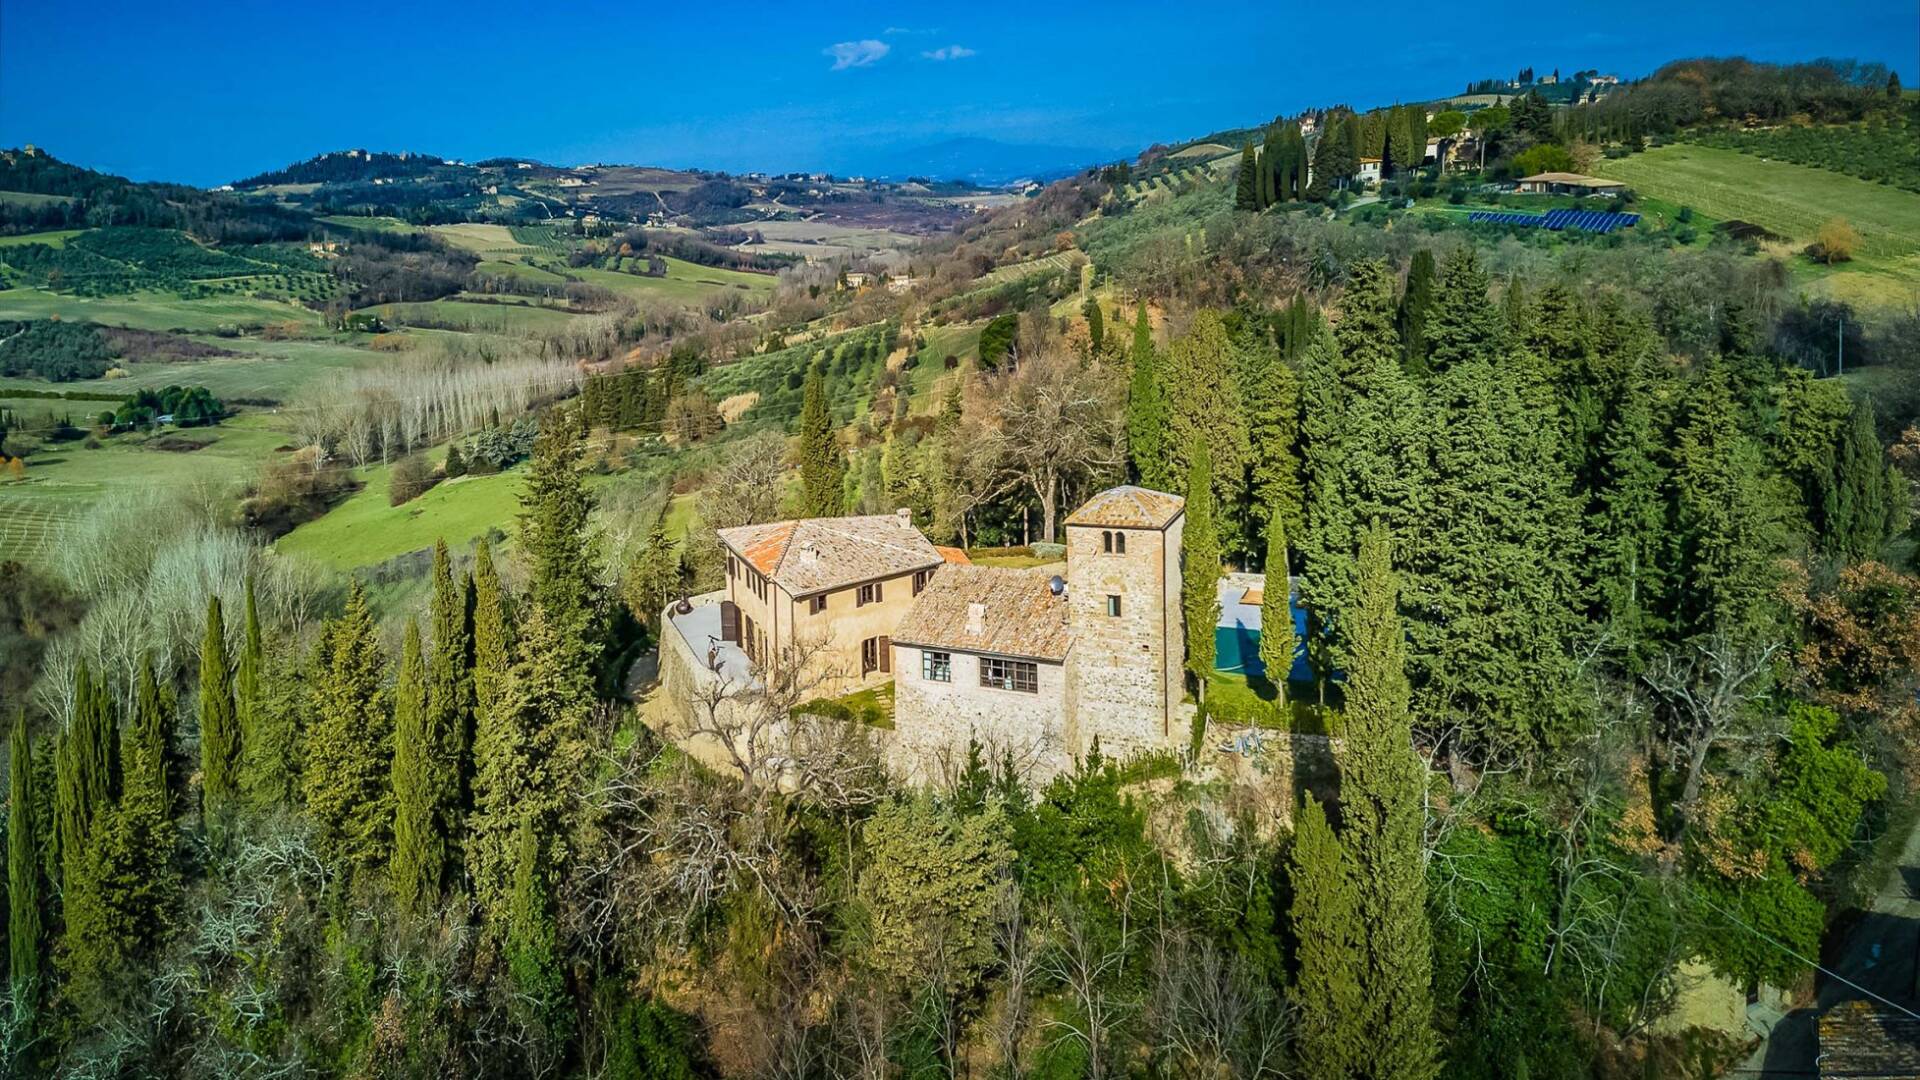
{"x":809,"y":553}
{"x":976,"y":619}
{"x":905,"y":517}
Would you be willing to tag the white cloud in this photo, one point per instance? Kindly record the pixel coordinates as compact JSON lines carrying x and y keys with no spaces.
{"x":951,"y":52}
{"x":853,"y":54}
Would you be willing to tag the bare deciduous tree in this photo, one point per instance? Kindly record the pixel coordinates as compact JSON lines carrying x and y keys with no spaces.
{"x":1708,"y":689}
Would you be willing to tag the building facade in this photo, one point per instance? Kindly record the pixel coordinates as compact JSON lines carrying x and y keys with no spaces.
{"x":826,"y":593}
{"x":1038,"y":665}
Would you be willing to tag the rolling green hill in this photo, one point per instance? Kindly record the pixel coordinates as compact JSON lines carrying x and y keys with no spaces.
{"x":1793,"y":201}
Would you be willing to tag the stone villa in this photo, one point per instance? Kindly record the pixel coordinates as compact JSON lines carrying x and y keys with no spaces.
{"x":1036,"y":663}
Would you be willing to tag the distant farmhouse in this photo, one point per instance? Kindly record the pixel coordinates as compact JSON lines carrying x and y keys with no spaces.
{"x":1566,"y":183}
{"x":1035,"y":664}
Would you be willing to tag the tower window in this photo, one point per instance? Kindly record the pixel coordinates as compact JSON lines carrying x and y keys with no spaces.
{"x":1106,"y":542}
{"x":1113,"y":605}
{"x":1119,"y":543}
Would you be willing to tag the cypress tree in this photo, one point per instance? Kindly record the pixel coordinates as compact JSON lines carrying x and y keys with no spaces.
{"x":1381,"y":787}
{"x":1331,"y":1044}
{"x":24,"y":927}
{"x":267,"y":743}
{"x":219,"y":726}
{"x":492,"y":633}
{"x":419,"y":845}
{"x":1490,"y":589}
{"x":1272,"y":405}
{"x":1277,"y":640}
{"x":1630,"y":523}
{"x":449,"y":700}
{"x":1096,"y":323}
{"x":1461,"y":323}
{"x":1364,"y":426}
{"x":533,"y":941}
{"x":1728,"y":534}
{"x":1414,"y":305}
{"x":349,"y":751}
{"x":1204,"y":405}
{"x":1146,"y":409}
{"x":135,"y":871}
{"x":554,"y":528}
{"x":1246,"y":188}
{"x":84,"y":759}
{"x":529,"y":757}
{"x":1200,"y":569}
{"x":1859,"y":507}
{"x":823,"y":465}
{"x":1272,"y":161}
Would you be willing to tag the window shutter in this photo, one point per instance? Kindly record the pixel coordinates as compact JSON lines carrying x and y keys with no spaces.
{"x":730,"y":621}
{"x":886,"y":653}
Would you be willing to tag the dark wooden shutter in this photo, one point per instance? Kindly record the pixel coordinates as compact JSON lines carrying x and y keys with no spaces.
{"x":886,"y":653}
{"x":730,"y":621}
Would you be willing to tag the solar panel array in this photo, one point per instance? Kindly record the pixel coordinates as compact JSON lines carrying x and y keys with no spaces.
{"x":1596,"y":221}
{"x":1593,"y":221}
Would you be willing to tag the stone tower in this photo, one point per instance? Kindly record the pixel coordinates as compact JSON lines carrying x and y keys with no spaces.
{"x":1125,"y":668}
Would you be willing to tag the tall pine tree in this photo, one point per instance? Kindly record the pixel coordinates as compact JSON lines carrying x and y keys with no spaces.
{"x":555,"y":509}
{"x":1278,"y":642}
{"x":1382,"y":801}
{"x":449,"y":701}
{"x":1331,"y":1043}
{"x":419,"y":843}
{"x":1200,"y":569}
{"x":349,"y":746}
{"x":1204,"y":406}
{"x":24,"y":925}
{"x":823,"y":464}
{"x":529,"y":758}
{"x":1364,"y":425}
{"x":1146,"y":409}
{"x":220,"y":747}
{"x":1414,"y":305}
{"x":492,"y":633}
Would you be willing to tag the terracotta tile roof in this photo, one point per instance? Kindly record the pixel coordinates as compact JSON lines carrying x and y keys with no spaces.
{"x":1570,"y":178}
{"x":954,"y":555}
{"x":1018,"y":614}
{"x":1129,"y":507}
{"x":1861,"y":1042}
{"x":816,"y":554}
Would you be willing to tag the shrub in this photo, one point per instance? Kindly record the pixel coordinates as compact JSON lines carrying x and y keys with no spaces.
{"x":409,"y":479}
{"x":1836,"y":242}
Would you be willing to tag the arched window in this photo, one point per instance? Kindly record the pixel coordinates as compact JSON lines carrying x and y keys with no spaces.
{"x":1106,"y":542}
{"x":1120,"y":543}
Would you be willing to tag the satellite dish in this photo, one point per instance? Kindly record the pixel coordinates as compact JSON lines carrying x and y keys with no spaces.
{"x":1057,"y":585}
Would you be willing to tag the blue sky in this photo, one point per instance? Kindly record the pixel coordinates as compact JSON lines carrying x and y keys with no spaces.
{"x":211,"y":91}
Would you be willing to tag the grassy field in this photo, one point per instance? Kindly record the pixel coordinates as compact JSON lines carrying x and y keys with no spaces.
{"x":262,"y":369}
{"x":64,"y":481}
{"x":686,"y":282}
{"x":364,"y":530}
{"x":154,"y":311}
{"x":57,"y":238}
{"x":371,"y":224}
{"x":1793,"y":201}
{"x":466,"y":315}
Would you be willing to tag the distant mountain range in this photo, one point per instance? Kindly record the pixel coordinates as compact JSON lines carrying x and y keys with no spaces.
{"x":973,"y":158}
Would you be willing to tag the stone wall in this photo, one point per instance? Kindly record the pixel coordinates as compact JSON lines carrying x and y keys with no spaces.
{"x":1124,"y":670}
{"x":934,"y":721}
